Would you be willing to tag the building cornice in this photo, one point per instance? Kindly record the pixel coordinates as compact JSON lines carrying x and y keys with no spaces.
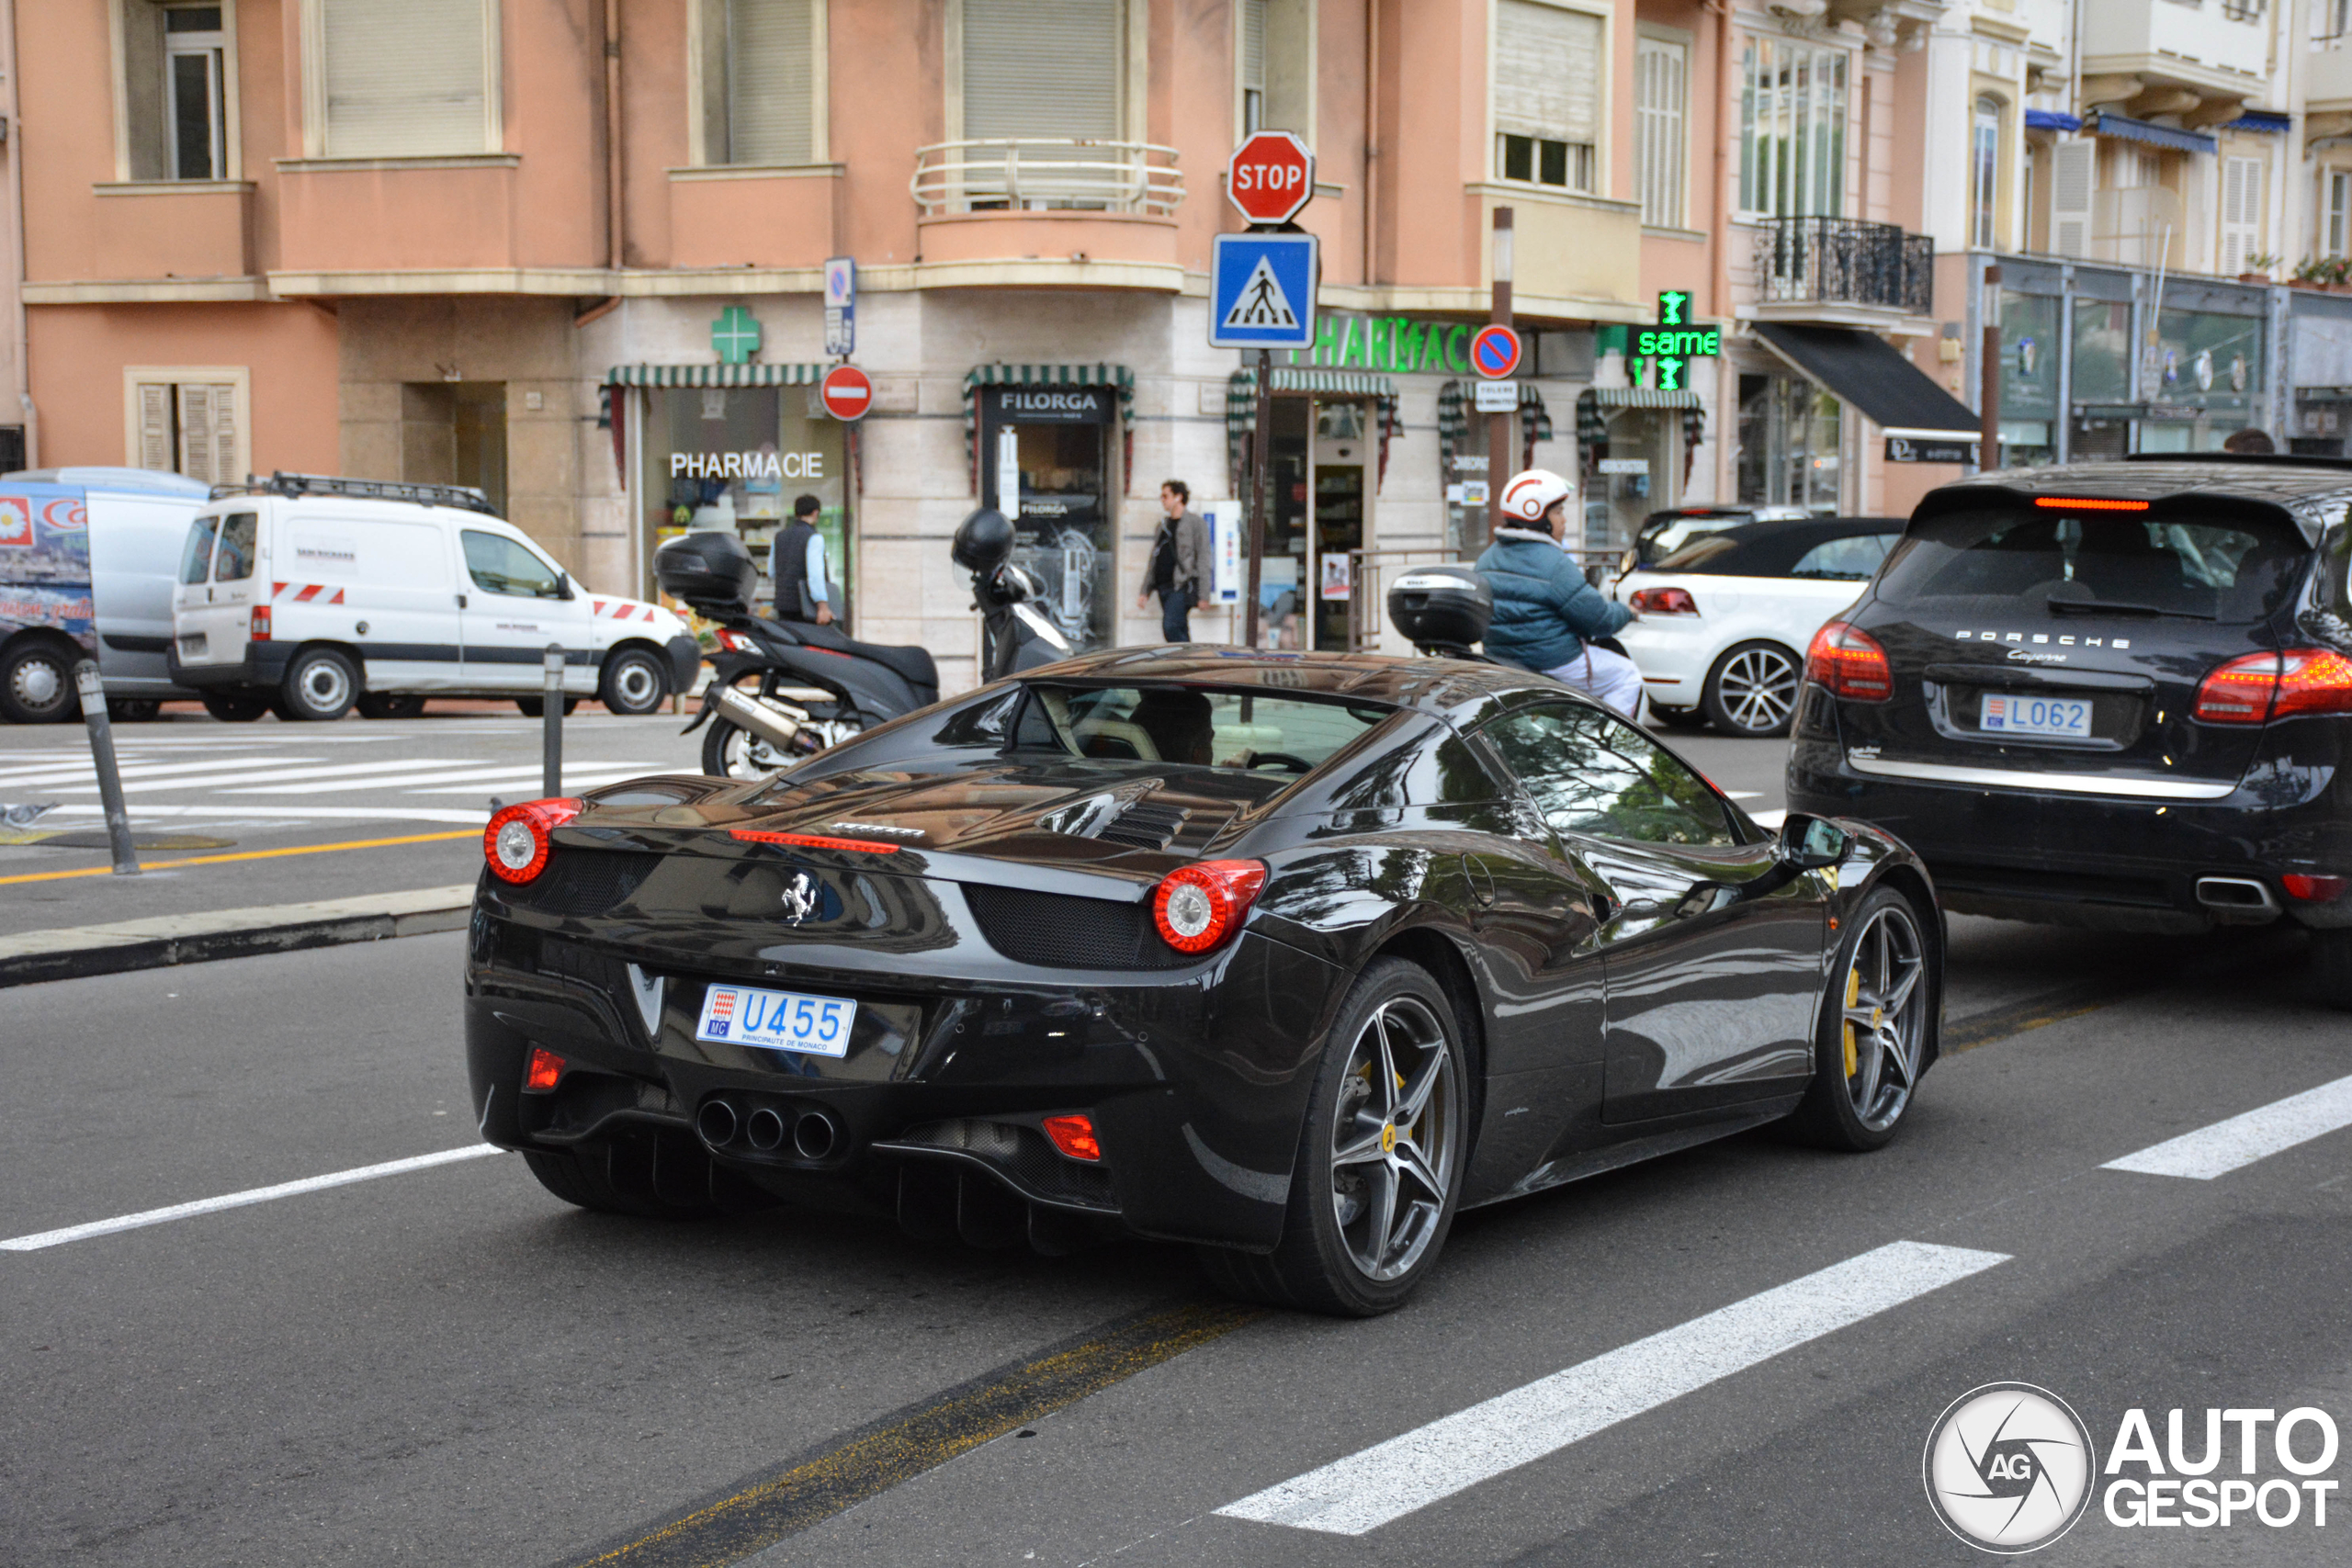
{"x":149,"y":291}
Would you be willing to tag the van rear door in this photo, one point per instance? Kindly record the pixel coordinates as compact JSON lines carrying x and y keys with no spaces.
{"x":209,"y":632}
{"x":135,"y":552}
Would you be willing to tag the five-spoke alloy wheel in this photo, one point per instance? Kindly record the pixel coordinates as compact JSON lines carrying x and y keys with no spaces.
{"x":1874,"y":1028}
{"x":1379,"y":1170}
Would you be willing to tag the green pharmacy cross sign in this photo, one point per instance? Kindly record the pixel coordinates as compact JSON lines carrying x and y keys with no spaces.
{"x":1675,"y":340}
{"x":735,"y":334}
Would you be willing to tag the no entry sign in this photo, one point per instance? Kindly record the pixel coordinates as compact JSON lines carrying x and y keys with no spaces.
{"x":1495,"y":352}
{"x":1271,"y":176}
{"x":847,"y":391}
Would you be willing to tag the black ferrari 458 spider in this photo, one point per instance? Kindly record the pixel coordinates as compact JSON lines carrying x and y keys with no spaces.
{"x":1289,"y":956}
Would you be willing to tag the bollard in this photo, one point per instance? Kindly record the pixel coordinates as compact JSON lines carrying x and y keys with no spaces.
{"x":94,"y":716}
{"x":551,"y":768}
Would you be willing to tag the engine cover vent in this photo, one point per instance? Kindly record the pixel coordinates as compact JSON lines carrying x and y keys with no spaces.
{"x":1146,"y":825}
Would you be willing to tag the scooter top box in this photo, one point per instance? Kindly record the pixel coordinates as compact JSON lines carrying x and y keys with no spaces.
{"x":1448,"y":606}
{"x":713,"y":572}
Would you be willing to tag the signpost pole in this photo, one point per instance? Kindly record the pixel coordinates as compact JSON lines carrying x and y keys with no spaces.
{"x":1499,"y":467}
{"x":1254,"y":517}
{"x":1988,"y":407}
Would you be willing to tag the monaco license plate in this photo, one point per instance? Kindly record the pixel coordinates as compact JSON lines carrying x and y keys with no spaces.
{"x":779,"y":1020}
{"x":2068,"y":718}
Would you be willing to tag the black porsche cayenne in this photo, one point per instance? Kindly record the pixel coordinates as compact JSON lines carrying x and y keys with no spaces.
{"x":2110,"y":695}
{"x":1291,"y":956}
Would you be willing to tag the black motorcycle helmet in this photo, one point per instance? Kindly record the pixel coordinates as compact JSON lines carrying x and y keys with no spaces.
{"x":983,"y":541}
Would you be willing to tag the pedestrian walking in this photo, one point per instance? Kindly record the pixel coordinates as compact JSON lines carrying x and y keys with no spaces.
{"x":1546,"y":614}
{"x":796,"y":562}
{"x":1180,"y":553}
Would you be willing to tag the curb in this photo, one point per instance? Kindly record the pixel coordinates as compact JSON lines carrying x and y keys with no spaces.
{"x":81,"y":952}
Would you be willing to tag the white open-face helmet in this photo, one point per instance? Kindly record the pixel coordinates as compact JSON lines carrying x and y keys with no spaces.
{"x":1531,"y":494}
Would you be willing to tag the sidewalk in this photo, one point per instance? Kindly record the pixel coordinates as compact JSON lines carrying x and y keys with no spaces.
{"x":162,"y":939}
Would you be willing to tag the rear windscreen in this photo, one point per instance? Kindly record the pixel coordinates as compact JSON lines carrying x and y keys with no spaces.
{"x":1661,"y":537}
{"x":2095,"y":562}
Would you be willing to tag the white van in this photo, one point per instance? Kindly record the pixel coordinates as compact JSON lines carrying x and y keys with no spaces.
{"x":89,"y":558}
{"x":306,"y":595}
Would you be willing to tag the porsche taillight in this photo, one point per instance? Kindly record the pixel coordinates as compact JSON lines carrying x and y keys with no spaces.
{"x":1198,"y":906}
{"x":2257,"y":687}
{"x":1850,"y":662}
{"x":517,"y":840}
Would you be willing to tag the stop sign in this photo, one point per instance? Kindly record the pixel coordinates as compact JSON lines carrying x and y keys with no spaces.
{"x":847,"y":392}
{"x":1270,"y":177}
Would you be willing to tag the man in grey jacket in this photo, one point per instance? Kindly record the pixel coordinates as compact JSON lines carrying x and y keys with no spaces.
{"x":1180,"y":558}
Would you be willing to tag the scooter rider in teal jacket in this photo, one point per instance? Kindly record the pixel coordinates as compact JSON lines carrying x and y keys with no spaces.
{"x":1546,"y":614}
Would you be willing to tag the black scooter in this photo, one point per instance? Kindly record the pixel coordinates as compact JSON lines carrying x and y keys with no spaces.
{"x":781,"y":691}
{"x":1014,"y":635}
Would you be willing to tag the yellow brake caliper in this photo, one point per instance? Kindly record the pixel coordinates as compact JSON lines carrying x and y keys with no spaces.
{"x":1853,"y":995}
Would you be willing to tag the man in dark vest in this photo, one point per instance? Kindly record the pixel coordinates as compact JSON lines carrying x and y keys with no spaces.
{"x":1179,"y":559}
{"x":796,"y":562}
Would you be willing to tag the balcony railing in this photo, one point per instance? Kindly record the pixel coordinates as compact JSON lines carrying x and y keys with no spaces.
{"x":1843,"y":261}
{"x":1047,"y":175}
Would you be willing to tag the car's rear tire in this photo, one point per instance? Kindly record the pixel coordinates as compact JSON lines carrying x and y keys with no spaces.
{"x":321,"y":684}
{"x":134,"y":710}
{"x":537,"y":708}
{"x":653,"y":1175}
{"x":633,"y":682}
{"x":1869,"y":1045}
{"x":391,"y":705}
{"x":1752,"y":690}
{"x":1371,"y":1199}
{"x":36,"y":683}
{"x":2332,"y":965}
{"x":236,"y":710}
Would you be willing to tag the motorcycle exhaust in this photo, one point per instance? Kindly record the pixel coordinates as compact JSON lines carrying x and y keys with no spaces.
{"x":775,"y":725}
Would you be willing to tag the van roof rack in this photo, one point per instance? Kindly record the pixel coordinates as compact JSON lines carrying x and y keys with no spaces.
{"x":295,"y":487}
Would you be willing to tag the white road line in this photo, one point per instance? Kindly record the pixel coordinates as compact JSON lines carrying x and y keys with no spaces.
{"x":239,"y":1199}
{"x":2257,"y":1135}
{"x":1745,"y":794}
{"x":355,"y":775}
{"x":1387,"y":1481}
{"x":133,"y":768}
{"x":1768,"y":819}
{"x":293,"y":815}
{"x":472,"y":774}
{"x":589,"y":777}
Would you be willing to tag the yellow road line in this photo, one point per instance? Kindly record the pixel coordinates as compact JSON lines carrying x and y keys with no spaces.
{"x":847,"y":1475}
{"x":247,"y":855}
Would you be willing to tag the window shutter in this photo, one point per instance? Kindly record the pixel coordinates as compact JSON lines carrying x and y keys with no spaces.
{"x":771,"y":81}
{"x":155,"y":427}
{"x":2240,"y":212}
{"x":1547,"y":73}
{"x":2072,"y":173}
{"x":1043,"y":68}
{"x":1659,"y":87}
{"x":1253,"y":46}
{"x":404,"y":78}
{"x":208,"y":430}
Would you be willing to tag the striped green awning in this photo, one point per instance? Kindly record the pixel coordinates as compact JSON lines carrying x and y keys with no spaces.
{"x":1593,"y":424}
{"x":1642,"y":397}
{"x":1117,"y":377}
{"x":715,"y":375}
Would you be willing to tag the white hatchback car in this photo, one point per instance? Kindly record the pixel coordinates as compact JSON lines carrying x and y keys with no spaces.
{"x":1725,"y":619}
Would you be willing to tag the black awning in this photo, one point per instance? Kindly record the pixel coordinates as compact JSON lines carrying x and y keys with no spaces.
{"x":1867,"y":373}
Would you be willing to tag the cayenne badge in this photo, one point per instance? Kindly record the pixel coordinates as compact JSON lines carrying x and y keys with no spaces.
{"x":800,"y":897}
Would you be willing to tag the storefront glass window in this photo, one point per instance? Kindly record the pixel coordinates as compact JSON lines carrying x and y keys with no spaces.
{"x":2102,"y":379}
{"x":2028,"y":378}
{"x":1788,"y":444}
{"x":2209,"y":367}
{"x":1045,"y":461}
{"x":734,"y":458}
{"x":1637,"y":476}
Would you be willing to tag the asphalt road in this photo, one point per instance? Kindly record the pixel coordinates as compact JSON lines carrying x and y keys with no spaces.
{"x":447,"y":1366}
{"x":426,"y":782}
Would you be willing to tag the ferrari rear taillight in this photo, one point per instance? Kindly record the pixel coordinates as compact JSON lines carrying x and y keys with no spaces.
{"x":2255,"y":687}
{"x":1850,"y":662}
{"x":516,"y":842}
{"x":1198,"y":906}
{"x":257,"y":629}
{"x":1664,"y":601}
{"x":2310,"y":888}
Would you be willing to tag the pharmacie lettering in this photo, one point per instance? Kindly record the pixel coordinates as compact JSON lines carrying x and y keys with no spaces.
{"x":747,"y":465}
{"x":2173,"y":1491}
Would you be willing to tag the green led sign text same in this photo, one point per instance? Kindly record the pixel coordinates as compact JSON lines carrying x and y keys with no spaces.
{"x":1674,"y":342}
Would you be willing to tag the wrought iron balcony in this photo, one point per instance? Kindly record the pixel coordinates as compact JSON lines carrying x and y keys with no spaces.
{"x":1044,"y":174}
{"x":1844,"y":261}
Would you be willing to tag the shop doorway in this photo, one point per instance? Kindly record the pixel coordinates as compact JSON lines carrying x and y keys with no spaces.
{"x":1791,"y":446}
{"x":1046,"y":462}
{"x":454,"y":433}
{"x":1324,"y":450}
{"x":1637,"y":476}
{"x":733,"y":461}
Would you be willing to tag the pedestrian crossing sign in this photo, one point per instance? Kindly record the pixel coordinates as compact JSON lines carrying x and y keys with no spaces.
{"x":1262,"y":291}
